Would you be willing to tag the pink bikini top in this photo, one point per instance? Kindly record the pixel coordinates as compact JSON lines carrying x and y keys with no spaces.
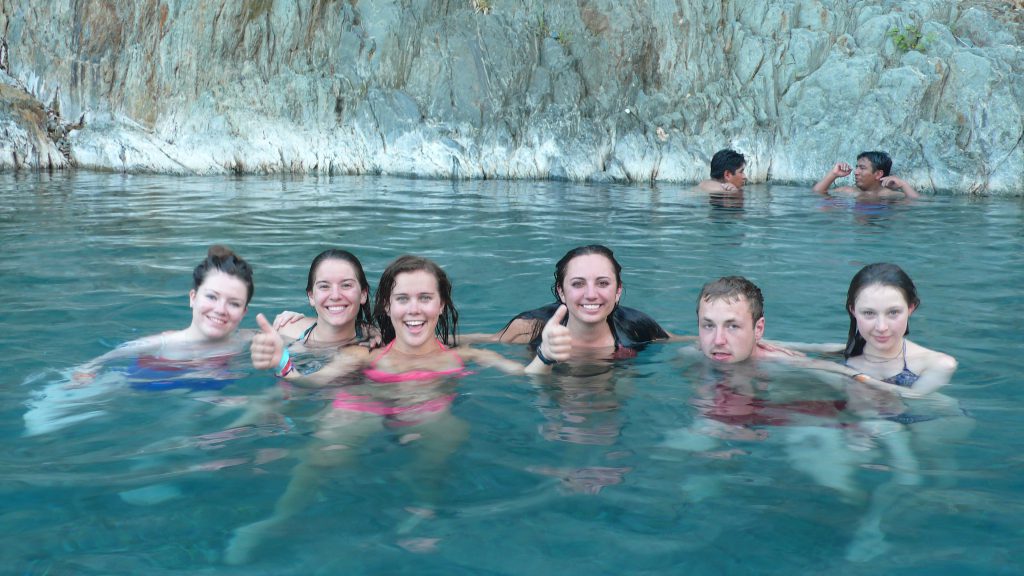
{"x":391,"y":377}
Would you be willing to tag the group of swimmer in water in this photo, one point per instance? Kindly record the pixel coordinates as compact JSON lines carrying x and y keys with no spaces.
{"x":871,"y":174}
{"x":394,"y":361}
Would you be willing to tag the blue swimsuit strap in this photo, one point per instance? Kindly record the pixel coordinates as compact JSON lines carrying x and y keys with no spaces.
{"x":303,"y":336}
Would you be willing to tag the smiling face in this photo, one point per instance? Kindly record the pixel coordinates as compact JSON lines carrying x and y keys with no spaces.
{"x":590,"y":289}
{"x":882,"y":314}
{"x":726,"y":329}
{"x":414,"y":308}
{"x":336,"y":295}
{"x":218,"y":305}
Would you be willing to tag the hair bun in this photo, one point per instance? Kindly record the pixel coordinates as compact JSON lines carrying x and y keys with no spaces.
{"x":219,"y":252}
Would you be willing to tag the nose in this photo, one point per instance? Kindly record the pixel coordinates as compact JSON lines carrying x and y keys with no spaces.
{"x":221,"y":307}
{"x":719,"y":336}
{"x":590,"y":291}
{"x":881,"y":325}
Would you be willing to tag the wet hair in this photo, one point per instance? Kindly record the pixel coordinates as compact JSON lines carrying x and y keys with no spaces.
{"x":221,"y":258}
{"x":883,"y":274}
{"x":879,"y":160}
{"x":726,"y":159}
{"x":447,"y":323}
{"x":631,"y":328}
{"x":365,"y":314}
{"x":562,"y":265}
{"x":732,"y":288}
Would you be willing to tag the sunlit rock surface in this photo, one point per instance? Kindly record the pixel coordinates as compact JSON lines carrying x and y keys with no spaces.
{"x":589,"y":89}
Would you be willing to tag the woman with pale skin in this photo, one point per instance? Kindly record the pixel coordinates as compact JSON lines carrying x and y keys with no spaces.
{"x":588,"y":283}
{"x":338,"y":292}
{"x":880,"y":303}
{"x":408,"y":384}
{"x":194,"y":358}
{"x":222,"y":287}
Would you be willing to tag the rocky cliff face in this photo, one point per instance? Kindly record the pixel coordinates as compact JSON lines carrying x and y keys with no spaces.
{"x":592,"y":89}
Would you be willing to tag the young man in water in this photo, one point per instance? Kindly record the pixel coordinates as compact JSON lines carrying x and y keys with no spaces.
{"x":871,"y":176}
{"x":728,"y":172}
{"x":741,"y":397}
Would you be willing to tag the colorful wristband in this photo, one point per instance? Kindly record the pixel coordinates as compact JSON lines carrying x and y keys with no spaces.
{"x":285,"y":365}
{"x":545,"y":359}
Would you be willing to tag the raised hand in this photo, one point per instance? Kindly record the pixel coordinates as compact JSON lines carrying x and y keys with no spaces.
{"x":842,"y":169}
{"x":892,"y":182}
{"x":267,"y":347}
{"x":556,"y":342}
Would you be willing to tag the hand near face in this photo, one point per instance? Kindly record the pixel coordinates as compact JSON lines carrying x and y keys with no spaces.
{"x":287,"y":317}
{"x":842,"y":169}
{"x":556,"y":343}
{"x":267,"y":347}
{"x":891,"y":182}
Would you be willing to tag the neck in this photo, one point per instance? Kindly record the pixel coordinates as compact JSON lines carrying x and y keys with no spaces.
{"x":879,"y":356}
{"x":191,"y":336}
{"x":427,"y":348}
{"x":324,"y":334}
{"x":591,"y":335}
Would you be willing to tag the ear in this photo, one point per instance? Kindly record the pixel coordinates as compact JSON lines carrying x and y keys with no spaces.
{"x":561,"y":296}
{"x":759,"y":329}
{"x":911,"y":309}
{"x":191,"y":298}
{"x":618,"y":294}
{"x":309,"y":295}
{"x":727,"y":175}
{"x":363,"y":296}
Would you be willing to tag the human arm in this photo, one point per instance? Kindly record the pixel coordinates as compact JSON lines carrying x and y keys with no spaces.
{"x":555,"y":346}
{"x":840,"y":170}
{"x":897,"y":183}
{"x":827,"y":348}
{"x":680,"y":338}
{"x":85,"y":373}
{"x":716,"y":186}
{"x":518,"y":331}
{"x":268,"y":353}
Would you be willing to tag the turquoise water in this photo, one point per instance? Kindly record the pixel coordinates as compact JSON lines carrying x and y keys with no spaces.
{"x":570,"y":475}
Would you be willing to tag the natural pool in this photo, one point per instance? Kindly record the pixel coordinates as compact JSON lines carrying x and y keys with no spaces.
{"x":559,"y":476}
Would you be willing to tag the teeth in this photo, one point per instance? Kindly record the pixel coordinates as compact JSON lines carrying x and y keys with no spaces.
{"x":415,"y":324}
{"x":591,"y":306}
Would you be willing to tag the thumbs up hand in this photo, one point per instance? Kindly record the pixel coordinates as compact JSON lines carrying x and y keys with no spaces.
{"x":556,"y":342}
{"x":267,"y":347}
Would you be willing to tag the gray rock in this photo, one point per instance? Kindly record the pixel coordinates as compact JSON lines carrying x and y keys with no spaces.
{"x":589,"y":90}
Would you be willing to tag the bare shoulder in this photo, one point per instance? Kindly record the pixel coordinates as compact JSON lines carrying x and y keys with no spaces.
{"x":930,"y":359}
{"x":295,"y":329}
{"x":518,"y":332}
